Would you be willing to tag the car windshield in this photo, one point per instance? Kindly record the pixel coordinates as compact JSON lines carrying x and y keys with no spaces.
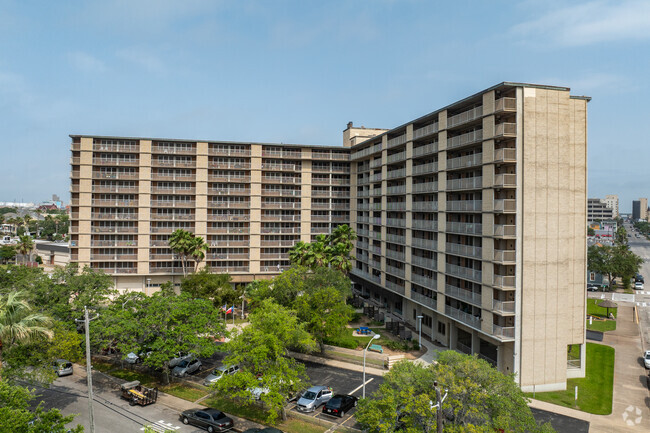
{"x":309,"y":395}
{"x":647,"y":355}
{"x":336,"y":401}
{"x":183,"y":364}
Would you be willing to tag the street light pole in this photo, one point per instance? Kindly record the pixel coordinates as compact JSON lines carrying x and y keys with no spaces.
{"x":438,"y":406}
{"x":420,"y":336}
{"x":374,"y":337}
{"x":88,"y":368}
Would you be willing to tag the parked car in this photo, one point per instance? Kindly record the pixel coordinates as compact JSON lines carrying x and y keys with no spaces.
{"x":592,"y":288}
{"x":220,"y":372}
{"x":263,"y":430}
{"x":340,"y":404}
{"x":180,"y":357}
{"x":639,"y":278}
{"x":314,"y":397}
{"x":638,"y":285}
{"x":646,"y":359}
{"x":132,"y":358}
{"x":62,"y":367}
{"x":186,"y":367}
{"x":212,"y":420}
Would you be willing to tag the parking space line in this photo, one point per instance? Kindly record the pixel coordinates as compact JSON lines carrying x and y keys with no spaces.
{"x":361,"y":386}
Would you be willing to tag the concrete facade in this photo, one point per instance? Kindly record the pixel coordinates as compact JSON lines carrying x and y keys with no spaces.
{"x":598,"y":210}
{"x":611,"y":200}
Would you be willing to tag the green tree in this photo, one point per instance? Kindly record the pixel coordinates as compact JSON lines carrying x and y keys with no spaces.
{"x":198,"y":249}
{"x":181,"y":244}
{"x":613,"y":261}
{"x":17,"y":417}
{"x":214,"y":287}
{"x":25,"y":247}
{"x":591,"y":231}
{"x":333,"y":250}
{"x":479,"y":399}
{"x":7,"y":253}
{"x":261,"y":350}
{"x":164,"y":324}
{"x":18,"y":325}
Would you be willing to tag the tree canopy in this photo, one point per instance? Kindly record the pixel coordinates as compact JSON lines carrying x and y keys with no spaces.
{"x":613,"y":261}
{"x":214,"y":287}
{"x":327,"y":250}
{"x":479,"y":399}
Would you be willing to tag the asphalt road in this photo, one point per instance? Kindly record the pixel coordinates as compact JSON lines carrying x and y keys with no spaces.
{"x":641,"y":247}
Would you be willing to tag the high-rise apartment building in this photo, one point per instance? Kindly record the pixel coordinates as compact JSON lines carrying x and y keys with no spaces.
{"x":471,"y":217}
{"x":611,"y":201}
{"x":640,"y":209}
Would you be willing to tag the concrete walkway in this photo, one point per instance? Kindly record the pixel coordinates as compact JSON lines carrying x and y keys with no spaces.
{"x":631,"y":400}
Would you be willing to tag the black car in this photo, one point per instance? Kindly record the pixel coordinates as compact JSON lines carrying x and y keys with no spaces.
{"x":210,"y":419}
{"x":339,"y":404}
{"x":638,"y":278}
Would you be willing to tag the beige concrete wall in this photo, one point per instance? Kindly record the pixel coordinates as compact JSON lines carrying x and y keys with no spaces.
{"x":552,"y":220}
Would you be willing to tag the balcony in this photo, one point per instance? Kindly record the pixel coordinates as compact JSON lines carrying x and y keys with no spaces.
{"x":424,"y":262}
{"x":223,"y":151}
{"x":464,"y":273}
{"x":427,"y":225}
{"x":505,"y":180}
{"x":395,"y":239}
{"x":427,"y":149}
{"x":425,"y":130}
{"x":278,"y":243}
{"x":464,"y":250}
{"x":114,"y":243}
{"x":396,"y":255}
{"x":424,"y":300}
{"x":119,"y":203}
{"x":116,"y":229}
{"x":464,"y":317}
{"x":223,"y":269}
{"x":504,"y":333}
{"x":228,"y":217}
{"x":231,"y":256}
{"x":398,"y":272}
{"x":394,"y":287}
{"x":290,"y":205}
{"x":231,"y":204}
{"x":464,"y":117}
{"x":397,"y":189}
{"x":113,"y":257}
{"x":166,"y":269}
{"x":424,"y":281}
{"x":281,"y":192}
{"x":425,"y":187}
{"x":366,"y":276}
{"x":376,"y":192}
{"x":124,"y":162}
{"x":279,"y":153}
{"x":180,"y":177}
{"x":430,"y":167}
{"x":115,"y":216}
{"x":466,"y":183}
{"x":464,"y":206}
{"x":396,"y":157}
{"x":505,"y":155}
{"x":173,"y":203}
{"x":172,"y":190}
{"x":505,"y":130}
{"x":505,"y":104}
{"x":397,"y":141}
{"x":174,"y":150}
{"x":173,"y":163}
{"x":232,"y":165}
{"x":167,"y":257}
{"x":505,"y":205}
{"x":116,"y":270}
{"x":465,"y":139}
{"x":395,"y":222}
{"x":124,"y":175}
{"x":171,"y":217}
{"x":425,"y":206}
{"x":280,"y":230}
{"x":505,"y":256}
{"x":394,"y":174}
{"x":167,"y":230}
{"x":133,"y":148}
{"x":505,"y":231}
{"x":362,"y":245}
{"x":284,"y":179}
{"x":425,"y":244}
{"x":230,"y":177}
{"x":230,"y":230}
{"x":503,"y":306}
{"x":465,"y":228}
{"x":473,"y":160}
{"x":504,"y":281}
{"x":463,"y":294}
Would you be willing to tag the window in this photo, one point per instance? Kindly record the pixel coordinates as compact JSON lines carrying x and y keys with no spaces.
{"x":427,"y":321}
{"x":441,"y":328}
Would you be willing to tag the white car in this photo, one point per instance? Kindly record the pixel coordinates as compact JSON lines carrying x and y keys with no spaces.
{"x":638,"y":285}
{"x":646,"y":359}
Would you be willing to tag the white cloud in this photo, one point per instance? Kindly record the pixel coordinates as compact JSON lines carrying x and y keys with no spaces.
{"x":142,"y":58}
{"x":86,"y":62}
{"x":590,"y":23}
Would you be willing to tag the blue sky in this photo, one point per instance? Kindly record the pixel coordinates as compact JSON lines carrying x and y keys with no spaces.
{"x":298,"y":71}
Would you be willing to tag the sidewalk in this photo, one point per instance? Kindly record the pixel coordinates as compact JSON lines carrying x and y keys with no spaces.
{"x":630,"y":411}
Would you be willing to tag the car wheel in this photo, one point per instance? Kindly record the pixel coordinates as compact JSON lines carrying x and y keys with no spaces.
{"x":342,"y":414}
{"x":210,"y":429}
{"x":132,"y":402}
{"x":185,"y":420}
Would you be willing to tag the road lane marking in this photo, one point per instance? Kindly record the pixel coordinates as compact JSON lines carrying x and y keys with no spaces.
{"x":161,"y":426}
{"x":361,"y":386}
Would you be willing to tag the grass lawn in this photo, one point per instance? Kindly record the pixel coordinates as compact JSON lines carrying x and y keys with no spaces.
{"x":595,"y":390}
{"x":183,"y":391}
{"x":600,"y":325}
{"x":293,"y":425}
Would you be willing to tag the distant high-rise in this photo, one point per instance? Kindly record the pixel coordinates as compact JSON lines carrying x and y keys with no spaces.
{"x":611,"y":201}
{"x":597,"y":210}
{"x":640,"y":209}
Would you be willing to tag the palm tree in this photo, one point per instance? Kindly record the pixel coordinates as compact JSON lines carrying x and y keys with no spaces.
{"x":25,"y":246}
{"x":181,"y":243}
{"x":344,"y":235}
{"x":299,"y":252}
{"x":198,"y":250}
{"x":17,"y":325}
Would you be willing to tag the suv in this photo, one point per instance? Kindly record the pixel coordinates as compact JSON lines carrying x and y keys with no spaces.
{"x":186,"y":367}
{"x":62,"y":367}
{"x":220,"y":372}
{"x":314,"y":397}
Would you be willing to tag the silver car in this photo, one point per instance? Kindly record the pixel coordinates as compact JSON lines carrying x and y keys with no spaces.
{"x":220,"y":372}
{"x":314,"y":397}
{"x":186,"y":367}
{"x":181,"y":356}
{"x":62,"y":367}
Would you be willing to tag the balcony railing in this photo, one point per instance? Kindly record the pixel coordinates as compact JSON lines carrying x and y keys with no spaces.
{"x":504,"y":231}
{"x":425,"y":244}
{"x":464,"y":139}
{"x":117,"y":229}
{"x":115,"y":216}
{"x":464,"y":250}
{"x":228,"y":178}
{"x":464,"y":117}
{"x":427,"y":149}
{"x":465,"y":161}
{"x":173,"y":203}
{"x":425,"y":187}
{"x":125,"y":162}
{"x":396,"y":157}
{"x":505,"y":205}
{"x":120,"y":203}
{"x":425,"y":206}
{"x":463,"y":272}
{"x":505,"y":281}
{"x":237,"y":230}
{"x":505,"y":130}
{"x":505,"y":104}
{"x":505,"y":180}
{"x":505,"y":256}
{"x":283,"y":192}
{"x":117,"y":270}
{"x":466,"y":183}
{"x":173,"y":150}
{"x":424,"y":281}
{"x":463,"y":294}
{"x":232,"y":165}
{"x":171,"y":217}
{"x":504,"y":333}
{"x":425,"y":130}
{"x":395,"y":239}
{"x":116,"y":147}
{"x":462,"y":316}
{"x":430,"y":167}
{"x":424,"y":262}
{"x":465,"y":228}
{"x":288,"y":179}
{"x":396,"y":141}
{"x":425,"y":225}
{"x":465,"y":205}
{"x":424,"y":300}
{"x":113,"y":257}
{"x":397,"y":189}
{"x":124,"y":175}
{"x":289,"y":205}
{"x":503,"y":306}
{"x":393,"y":174}
{"x":395,"y":222}
{"x":394,"y":287}
{"x":396,"y":255}
{"x":505,"y":155}
{"x":173,"y":190}
{"x":220,"y":151}
{"x":229,"y":269}
{"x":280,"y":230}
{"x":173,"y":163}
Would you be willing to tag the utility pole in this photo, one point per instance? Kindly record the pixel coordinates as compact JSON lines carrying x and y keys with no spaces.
{"x":88,"y":368}
{"x":438,"y":406}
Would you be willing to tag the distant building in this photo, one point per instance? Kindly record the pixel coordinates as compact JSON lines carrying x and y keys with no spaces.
{"x":597,"y":210}
{"x":640,"y":209}
{"x":612,"y":202}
